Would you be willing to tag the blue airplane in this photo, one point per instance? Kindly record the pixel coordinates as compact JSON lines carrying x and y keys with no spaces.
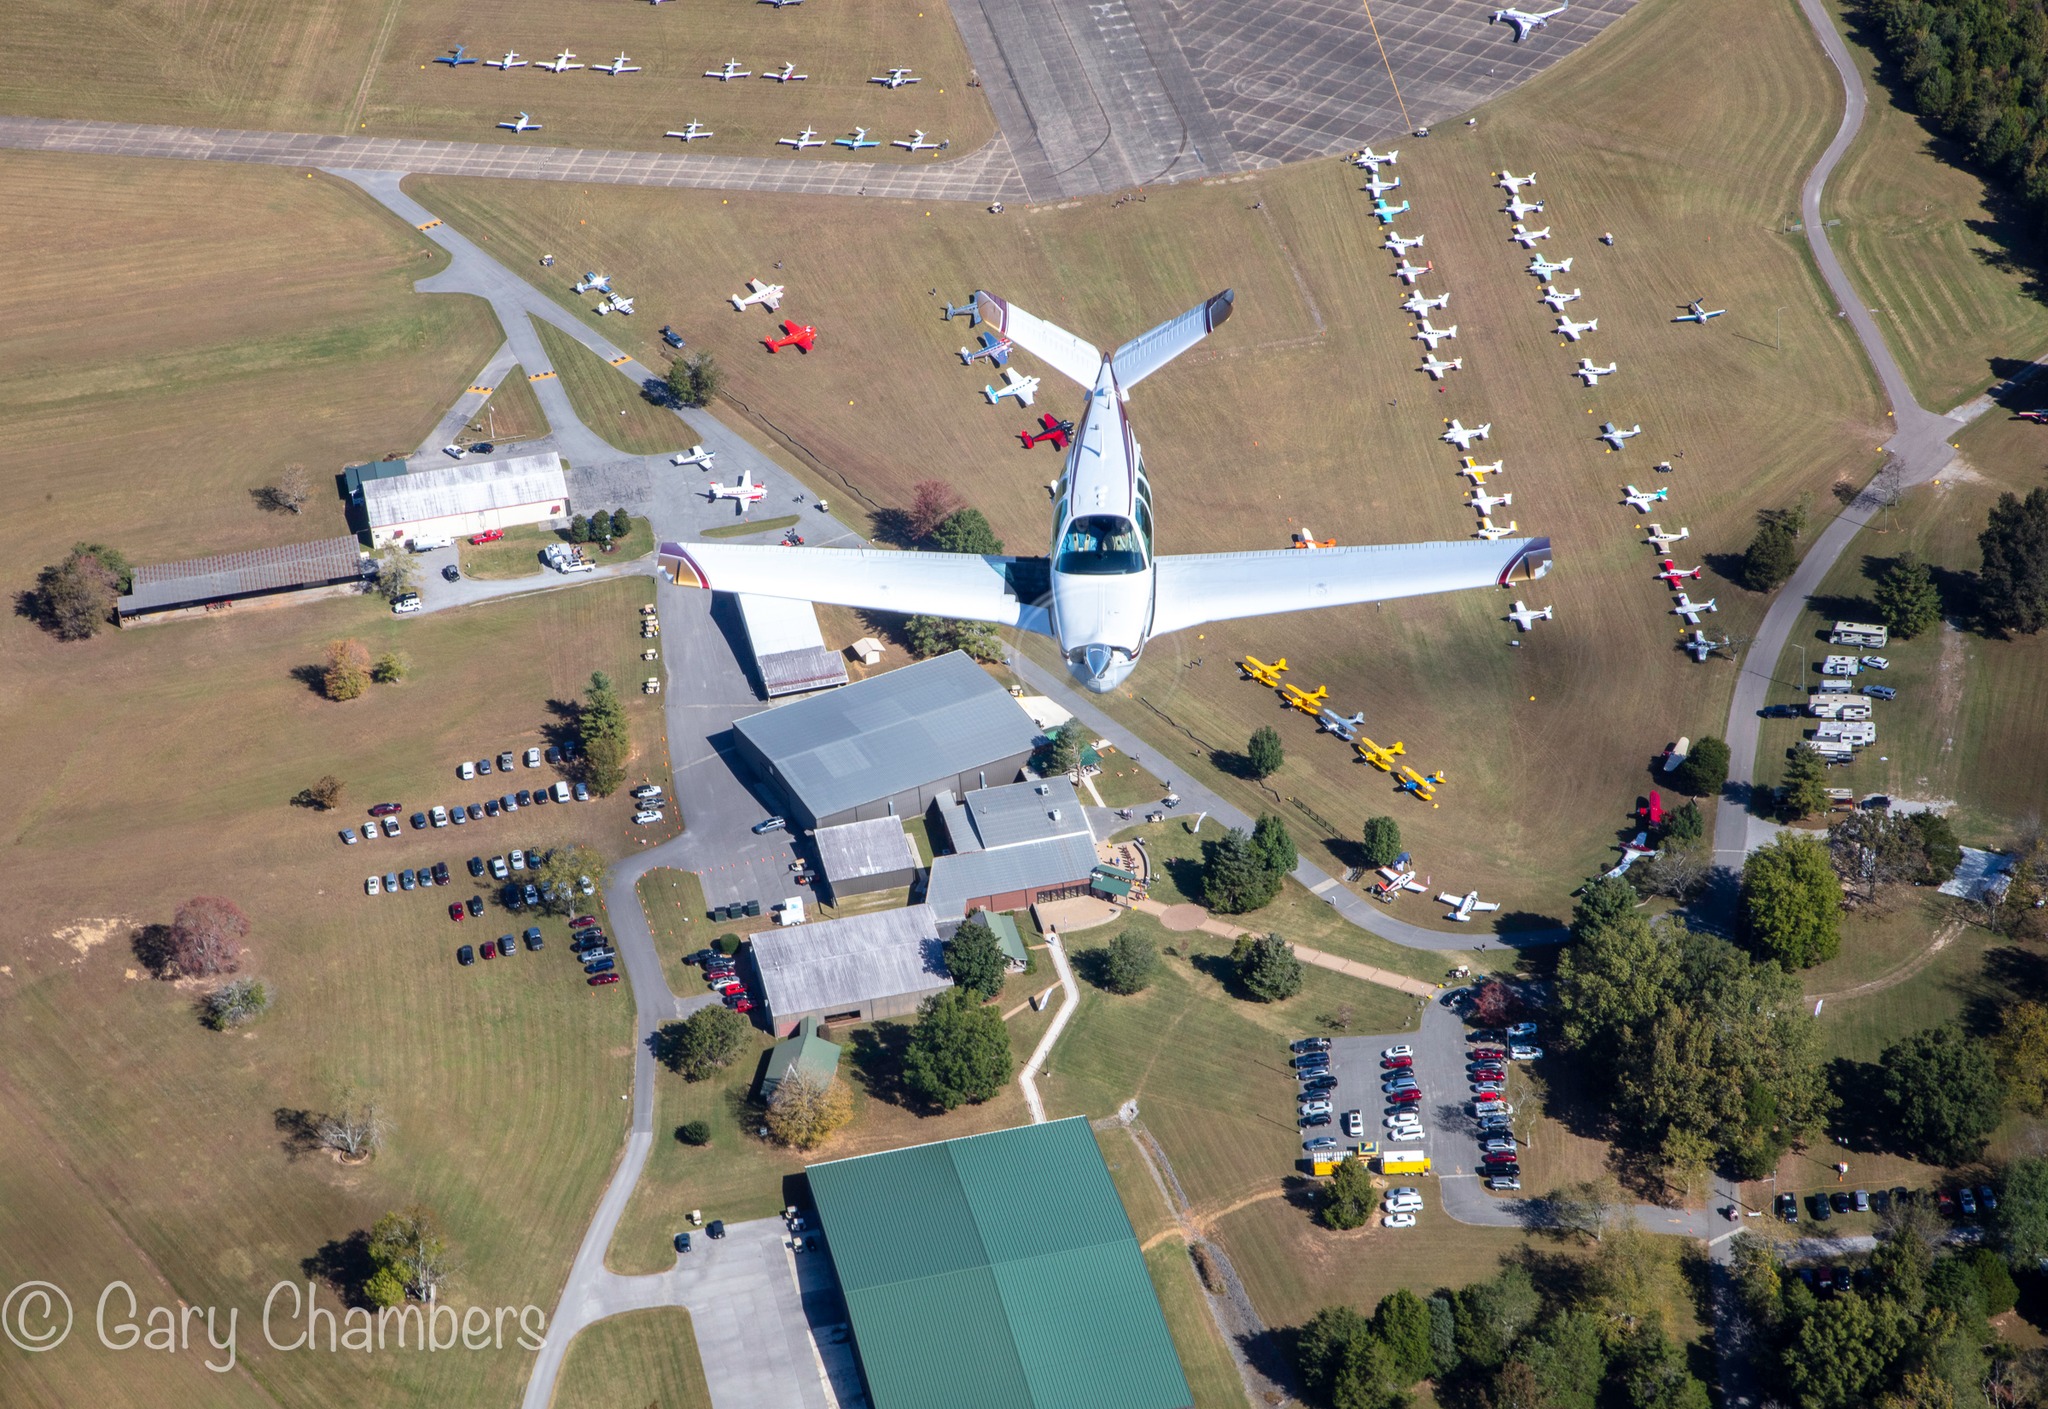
{"x":456,"y":59}
{"x":1386,"y":212}
{"x":1695,"y":313}
{"x":857,"y":139}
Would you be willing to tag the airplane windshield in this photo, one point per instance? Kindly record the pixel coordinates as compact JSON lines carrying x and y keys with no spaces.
{"x":1100,"y":545}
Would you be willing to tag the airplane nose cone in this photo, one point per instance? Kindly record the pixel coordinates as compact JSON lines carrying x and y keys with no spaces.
{"x":1098,"y":659}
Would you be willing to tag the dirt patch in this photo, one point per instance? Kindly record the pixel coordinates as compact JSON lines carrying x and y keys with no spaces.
{"x":1942,"y":939}
{"x":1185,"y":918}
{"x":84,"y":936}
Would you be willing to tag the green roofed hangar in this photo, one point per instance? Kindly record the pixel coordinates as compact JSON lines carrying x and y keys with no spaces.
{"x":998,"y":1271}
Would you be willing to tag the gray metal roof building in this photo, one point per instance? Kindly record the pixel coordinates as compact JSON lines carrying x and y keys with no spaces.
{"x":467,"y":497}
{"x":1010,"y":878}
{"x":229,"y":577}
{"x":860,"y":857}
{"x":789,"y":650}
{"x":1020,"y":812}
{"x":891,"y":743}
{"x":852,"y":970}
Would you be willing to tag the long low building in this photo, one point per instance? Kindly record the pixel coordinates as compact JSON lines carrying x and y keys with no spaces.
{"x":323,"y":567}
{"x":852,"y":970}
{"x":471,"y":496}
{"x":790,"y":656}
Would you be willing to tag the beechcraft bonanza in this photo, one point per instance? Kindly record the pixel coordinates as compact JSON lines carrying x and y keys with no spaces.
{"x":1396,"y":245}
{"x":1545,"y":270}
{"x":456,"y":57}
{"x":1016,"y":384}
{"x":1591,"y":375}
{"x":1696,"y":312}
{"x":1462,"y":906}
{"x":1660,"y":540}
{"x":730,"y":71}
{"x":1526,"y":237}
{"x":593,"y":282}
{"x":1518,"y":209}
{"x":1512,"y":184}
{"x":1371,"y":160}
{"x":1575,"y":331}
{"x":559,"y":64}
{"x":1641,"y":499}
{"x":523,"y":124}
{"x":695,"y":455}
{"x":1438,"y":368}
{"x":1418,"y":305}
{"x":1380,"y":188}
{"x":786,"y":74}
{"x":1471,"y":469}
{"x":1486,"y":503}
{"x":1388,"y":214}
{"x":895,"y":78}
{"x":855,"y":140}
{"x":1671,"y":574}
{"x":1525,"y":618}
{"x":1408,"y":273}
{"x":691,"y":131}
{"x":1615,"y":437}
{"x":1490,"y":531}
{"x":509,"y":62}
{"x":807,"y":138}
{"x":1526,"y":20}
{"x":1462,"y":435}
{"x":1556,"y":300}
{"x":1690,"y":610}
{"x":1702,"y":645}
{"x":1428,"y":332}
{"x":746,"y":492}
{"x":769,"y":296}
{"x":995,"y":349}
{"x":1101,"y":593}
{"x":616,"y":67}
{"x":916,"y":143}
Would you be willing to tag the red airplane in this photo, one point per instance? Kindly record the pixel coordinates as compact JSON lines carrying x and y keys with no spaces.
{"x":1673,"y":575}
{"x":1653,"y":812}
{"x":1055,"y":431}
{"x":801,"y":336}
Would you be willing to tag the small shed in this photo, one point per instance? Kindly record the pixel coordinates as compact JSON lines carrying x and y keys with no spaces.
{"x":1008,"y":936}
{"x":803,"y":1051}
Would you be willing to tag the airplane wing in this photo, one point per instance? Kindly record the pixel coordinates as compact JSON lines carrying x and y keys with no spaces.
{"x":1203,"y":587}
{"x":1051,"y":344}
{"x":1449,"y":899}
{"x":963,"y":586}
{"x":1148,"y":352}
{"x":1486,"y":905}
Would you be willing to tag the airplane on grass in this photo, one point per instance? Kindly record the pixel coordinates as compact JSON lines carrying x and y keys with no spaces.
{"x":970,"y":310}
{"x":1696,"y":313}
{"x":1439,"y":369}
{"x":995,"y":349}
{"x":506,"y":64}
{"x":1526,"y":618}
{"x":728,"y":72}
{"x":1490,"y":531}
{"x":807,"y":138}
{"x":615,"y":67}
{"x":1388,"y":213}
{"x":1660,"y":540}
{"x":786,"y":74}
{"x":1307,"y":701}
{"x":695,"y":455}
{"x":1641,"y":499}
{"x":801,"y":336}
{"x":1702,"y":645}
{"x":1480,"y":500}
{"x":1256,"y":669}
{"x":1378,"y":756}
{"x":1055,"y":430}
{"x":1591,"y":375}
{"x":1518,"y":208}
{"x":457,"y":57}
{"x":1574,"y":331}
{"x":855,"y":140}
{"x":1672,"y":574}
{"x":1512,"y":184}
{"x":1415,"y":303}
{"x":1330,"y":722}
{"x":2039,"y":418}
{"x":1463,"y":906}
{"x":1471,"y":469}
{"x":916,"y":143}
{"x":1408,"y":273}
{"x":559,"y":64}
{"x":1371,"y":160}
{"x":522,"y":124}
{"x":1690,"y":610}
{"x":1527,"y":238}
{"x":1397,"y":245}
{"x":769,"y":296}
{"x":1423,"y":786}
{"x":1545,"y":270}
{"x":895,"y":78}
{"x":778,"y":4}
{"x":1617,"y":437}
{"x":1101,"y":593}
{"x":1428,"y":332}
{"x":1557,"y":300}
{"x":1458,"y":434}
{"x":1526,"y":20}
{"x":1305,"y":537}
{"x":593,"y":283}
{"x":691,"y":131}
{"x":1380,"y":188}
{"x":1024,"y":388}
{"x":616,"y":304}
{"x":746,"y":493}
{"x":1396,"y":881}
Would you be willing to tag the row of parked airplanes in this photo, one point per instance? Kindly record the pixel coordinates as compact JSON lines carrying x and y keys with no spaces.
{"x":565,"y":62}
{"x":1314,"y":704}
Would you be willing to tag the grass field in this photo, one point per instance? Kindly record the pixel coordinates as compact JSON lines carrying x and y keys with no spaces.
{"x":606,"y":401}
{"x":1249,"y":437}
{"x":363,"y":67}
{"x":517,"y":554}
{"x":638,"y":1360}
{"x":513,"y":412}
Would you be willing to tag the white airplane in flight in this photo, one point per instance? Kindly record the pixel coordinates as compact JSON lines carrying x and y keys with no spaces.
{"x":691,"y":131}
{"x":730,"y":71}
{"x":916,"y":143}
{"x":1408,"y":273}
{"x":1660,"y":540}
{"x":895,"y":78}
{"x":1462,"y":906}
{"x":1484,"y":502}
{"x":1462,"y":435}
{"x":1526,"y":617}
{"x":1379,"y":187}
{"x":1696,"y":312}
{"x":1490,"y":531}
{"x":1511,"y":183}
{"x":1518,"y":209}
{"x":746,"y":492}
{"x":1558,"y":300}
{"x":1545,"y":270}
{"x":1574,"y":331}
{"x":1526,"y":20}
{"x":1471,"y":469}
{"x":786,"y":74}
{"x":1016,"y":384}
{"x":1397,"y":245}
{"x":1526,"y":237}
{"x":1591,"y":375}
{"x":807,"y":138}
{"x":616,"y":67}
{"x":1415,"y":303}
{"x":1690,"y":610}
{"x":1615,"y":436}
{"x":1371,"y":160}
{"x":523,"y":124}
{"x":510,"y":61}
{"x":1101,"y":593}
{"x":695,"y":455}
{"x":1438,"y":369}
{"x":594,"y":283}
{"x":559,"y":64}
{"x":769,"y":296}
{"x":1641,"y":499}
{"x":1428,"y":332}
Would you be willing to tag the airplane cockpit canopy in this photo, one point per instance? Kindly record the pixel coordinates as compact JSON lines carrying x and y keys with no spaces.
{"x":1100,"y":545}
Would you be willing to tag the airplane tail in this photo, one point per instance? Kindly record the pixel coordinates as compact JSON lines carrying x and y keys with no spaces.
{"x":1147,"y":353}
{"x":1051,"y":344}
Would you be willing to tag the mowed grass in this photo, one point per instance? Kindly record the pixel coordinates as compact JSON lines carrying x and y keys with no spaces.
{"x":1953,"y":281}
{"x":517,"y":554}
{"x":149,"y":1147}
{"x":1306,"y":409}
{"x":513,"y":412}
{"x":632,"y":1361}
{"x":606,"y":401}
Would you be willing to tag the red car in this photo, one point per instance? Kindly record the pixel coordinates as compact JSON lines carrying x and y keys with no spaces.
{"x":1404,"y":1098}
{"x":1482,"y":1054}
{"x":489,"y":535}
{"x":599,"y":980}
{"x":1489,"y":1074}
{"x":741,"y":1004}
{"x":582,"y":922}
{"x":730,"y":989}
{"x":455,"y":911}
{"x":1398,"y":1063}
{"x":384,"y":809}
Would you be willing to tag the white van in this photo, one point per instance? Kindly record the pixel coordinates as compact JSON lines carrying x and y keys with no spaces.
{"x":561,"y":791}
{"x":428,"y":545}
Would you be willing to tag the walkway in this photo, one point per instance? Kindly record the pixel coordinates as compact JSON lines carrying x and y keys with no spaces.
{"x":1070,"y":1000}
{"x":1194,"y":917}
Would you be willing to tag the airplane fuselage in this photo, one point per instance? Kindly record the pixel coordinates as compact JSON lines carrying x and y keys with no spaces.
{"x":1102,"y":545}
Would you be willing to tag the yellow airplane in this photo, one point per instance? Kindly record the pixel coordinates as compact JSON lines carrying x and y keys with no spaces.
{"x":1423,"y":787}
{"x":1304,"y":700}
{"x":1256,"y":669}
{"x":1380,"y":758}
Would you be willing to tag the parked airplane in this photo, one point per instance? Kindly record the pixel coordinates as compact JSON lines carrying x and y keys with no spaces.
{"x":615,"y":67}
{"x":801,"y":336}
{"x":1702,"y":645}
{"x":807,"y":138}
{"x":769,"y":296}
{"x":617,"y":303}
{"x":1462,"y":436}
{"x":1556,"y":300}
{"x":746,"y":493}
{"x":1380,"y":188}
{"x":1671,"y":574}
{"x":691,"y":131}
{"x":1428,"y":332}
{"x":509,"y":62}
{"x":1395,"y":243}
{"x":1591,"y":375}
{"x":1615,"y":436}
{"x":1575,"y":331}
{"x":1057,"y":431}
{"x":916,"y":143}
{"x":1695,"y":312}
{"x":1422,"y":786}
{"x":778,"y":4}
{"x":1379,"y":757}
{"x":559,"y":64}
{"x":1526,"y":618}
{"x":1485,"y":503}
{"x":1331,"y":722}
{"x":1415,"y":303}
{"x":594,"y":283}
{"x":1305,"y":539}
{"x":1387,"y":891}
{"x":1471,"y":469}
{"x":1371,"y":160}
{"x":895,"y":78}
{"x":970,"y":310}
{"x":1518,"y":208}
{"x":1489,"y":531}
{"x":1024,"y":388}
{"x":695,"y":455}
{"x":1526,"y":20}
{"x":1526,"y":237}
{"x":786,"y":74}
{"x":1512,"y":184}
{"x":1256,"y":669}
{"x":1101,"y":593}
{"x":1462,"y":906}
{"x":1307,"y":701}
{"x":1388,"y":213}
{"x":1545,"y":270}
{"x":995,"y":349}
{"x":1690,"y":610}
{"x":1437,"y":369}
{"x":1660,"y":540}
{"x":1408,"y":273}
{"x":2039,"y":418}
{"x":1641,"y":499}
{"x":457,"y":58}
{"x":729,"y":71}
{"x":855,"y":140}
{"x":524,"y":124}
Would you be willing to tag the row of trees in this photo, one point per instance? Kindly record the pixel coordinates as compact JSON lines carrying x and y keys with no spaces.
{"x":692,"y":380}
{"x":1242,"y":873}
{"x":607,"y":740}
{"x":600,"y":527}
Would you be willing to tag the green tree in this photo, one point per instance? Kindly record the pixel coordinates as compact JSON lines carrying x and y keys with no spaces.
{"x":1493,"y":1314}
{"x":398,"y":574}
{"x":579,"y":529}
{"x":1382,"y":841}
{"x":1942,"y":1094}
{"x":966,"y":531}
{"x":1842,"y":1352}
{"x":347,"y":674}
{"x":600,"y":527}
{"x":1443,"y":1337}
{"x":77,"y":596}
{"x":694,"y":1132}
{"x":1774,"y":552}
{"x":391,"y":667}
{"x":1683,"y":826}
{"x":1758,"y":1275}
{"x":1063,"y":747}
{"x":1274,"y":847}
{"x":1269,"y":971}
{"x":974,"y":957}
{"x":2001,"y":1293}
{"x":2022,"y":1217}
{"x":384,"y":1289}
{"x":959,"y":1051}
{"x":1653,"y":1372}
{"x":1349,"y":1198}
{"x":409,"y":1244}
{"x":1613,"y":982}
{"x":2022,"y":1048}
{"x":1130,"y":963}
{"x":2012,"y":586}
{"x":1235,"y":878}
{"x":1264,"y":753}
{"x":234,"y":1003}
{"x":1334,"y":1340}
{"x":1569,"y":1358}
{"x":607,"y":742}
{"x":1401,"y":1321}
{"x":1705,"y":769}
{"x":564,"y":869}
{"x":622,"y":523}
{"x":1805,"y":788}
{"x":1953,"y":1289}
{"x":1907,"y":600}
{"x":1940,"y":852}
{"x":1792,"y":902}
{"x":693,"y":380}
{"x":702,"y":1044}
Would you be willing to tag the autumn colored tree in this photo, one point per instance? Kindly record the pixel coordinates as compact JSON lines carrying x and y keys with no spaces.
{"x":206,"y":937}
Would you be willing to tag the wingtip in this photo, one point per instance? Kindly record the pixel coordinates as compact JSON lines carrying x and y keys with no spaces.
{"x":1531,"y":561}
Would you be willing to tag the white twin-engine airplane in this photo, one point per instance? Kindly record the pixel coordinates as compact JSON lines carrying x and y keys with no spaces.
{"x":1526,"y":20}
{"x":1428,"y":332}
{"x":1417,"y":304}
{"x":1464,"y":905}
{"x":1591,"y":375}
{"x":1575,"y":331}
{"x":1101,"y":592}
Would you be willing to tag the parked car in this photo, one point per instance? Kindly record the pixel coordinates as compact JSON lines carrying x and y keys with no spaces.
{"x":1307,"y":1107}
{"x":1311,"y":1121}
{"x":741,"y":1004}
{"x":1319,"y":1142}
{"x":1780,"y":711}
{"x":1525,"y":1054}
{"x":1840,"y":1201}
{"x":419,"y":821}
{"x":384,"y":809}
{"x":1877,"y":662}
{"x":407,"y":604}
{"x":507,"y":947}
{"x":1406,"y":1083}
{"x":1787,"y":1207}
{"x":530,"y":893}
{"x":373,"y":886}
{"x":1521,"y":1029}
{"x":476,"y":865}
{"x":507,"y":761}
{"x":440,"y":873}
{"x":1312,"y":1061}
{"x":1817,"y":1206}
{"x":525,"y":797}
{"x":492,"y":807}
{"x":584,"y":922}
{"x":475,"y":811}
{"x":770,"y":824}
{"x":1398,"y":1220}
{"x":584,"y":886}
{"x":645,"y":818}
{"x":1404,"y":1098}
{"x":499,"y":870}
{"x":1986,"y":1199}
{"x":533,"y":758}
{"x":553,"y":754}
{"x":1880,"y":692}
{"x":407,"y":880}
{"x":475,"y":906}
{"x":1397,"y":1063}
{"x":518,"y":860}
{"x":390,"y":826}
{"x":1404,"y":1050}
{"x":440,"y":815}
{"x":1504,"y":1183}
{"x":600,"y":980}
{"x":1487,"y":1054}
{"x":465,"y":955}
{"x":507,"y":804}
{"x":1309,"y":1044}
{"x":1967,"y":1197}
{"x":582,"y":792}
